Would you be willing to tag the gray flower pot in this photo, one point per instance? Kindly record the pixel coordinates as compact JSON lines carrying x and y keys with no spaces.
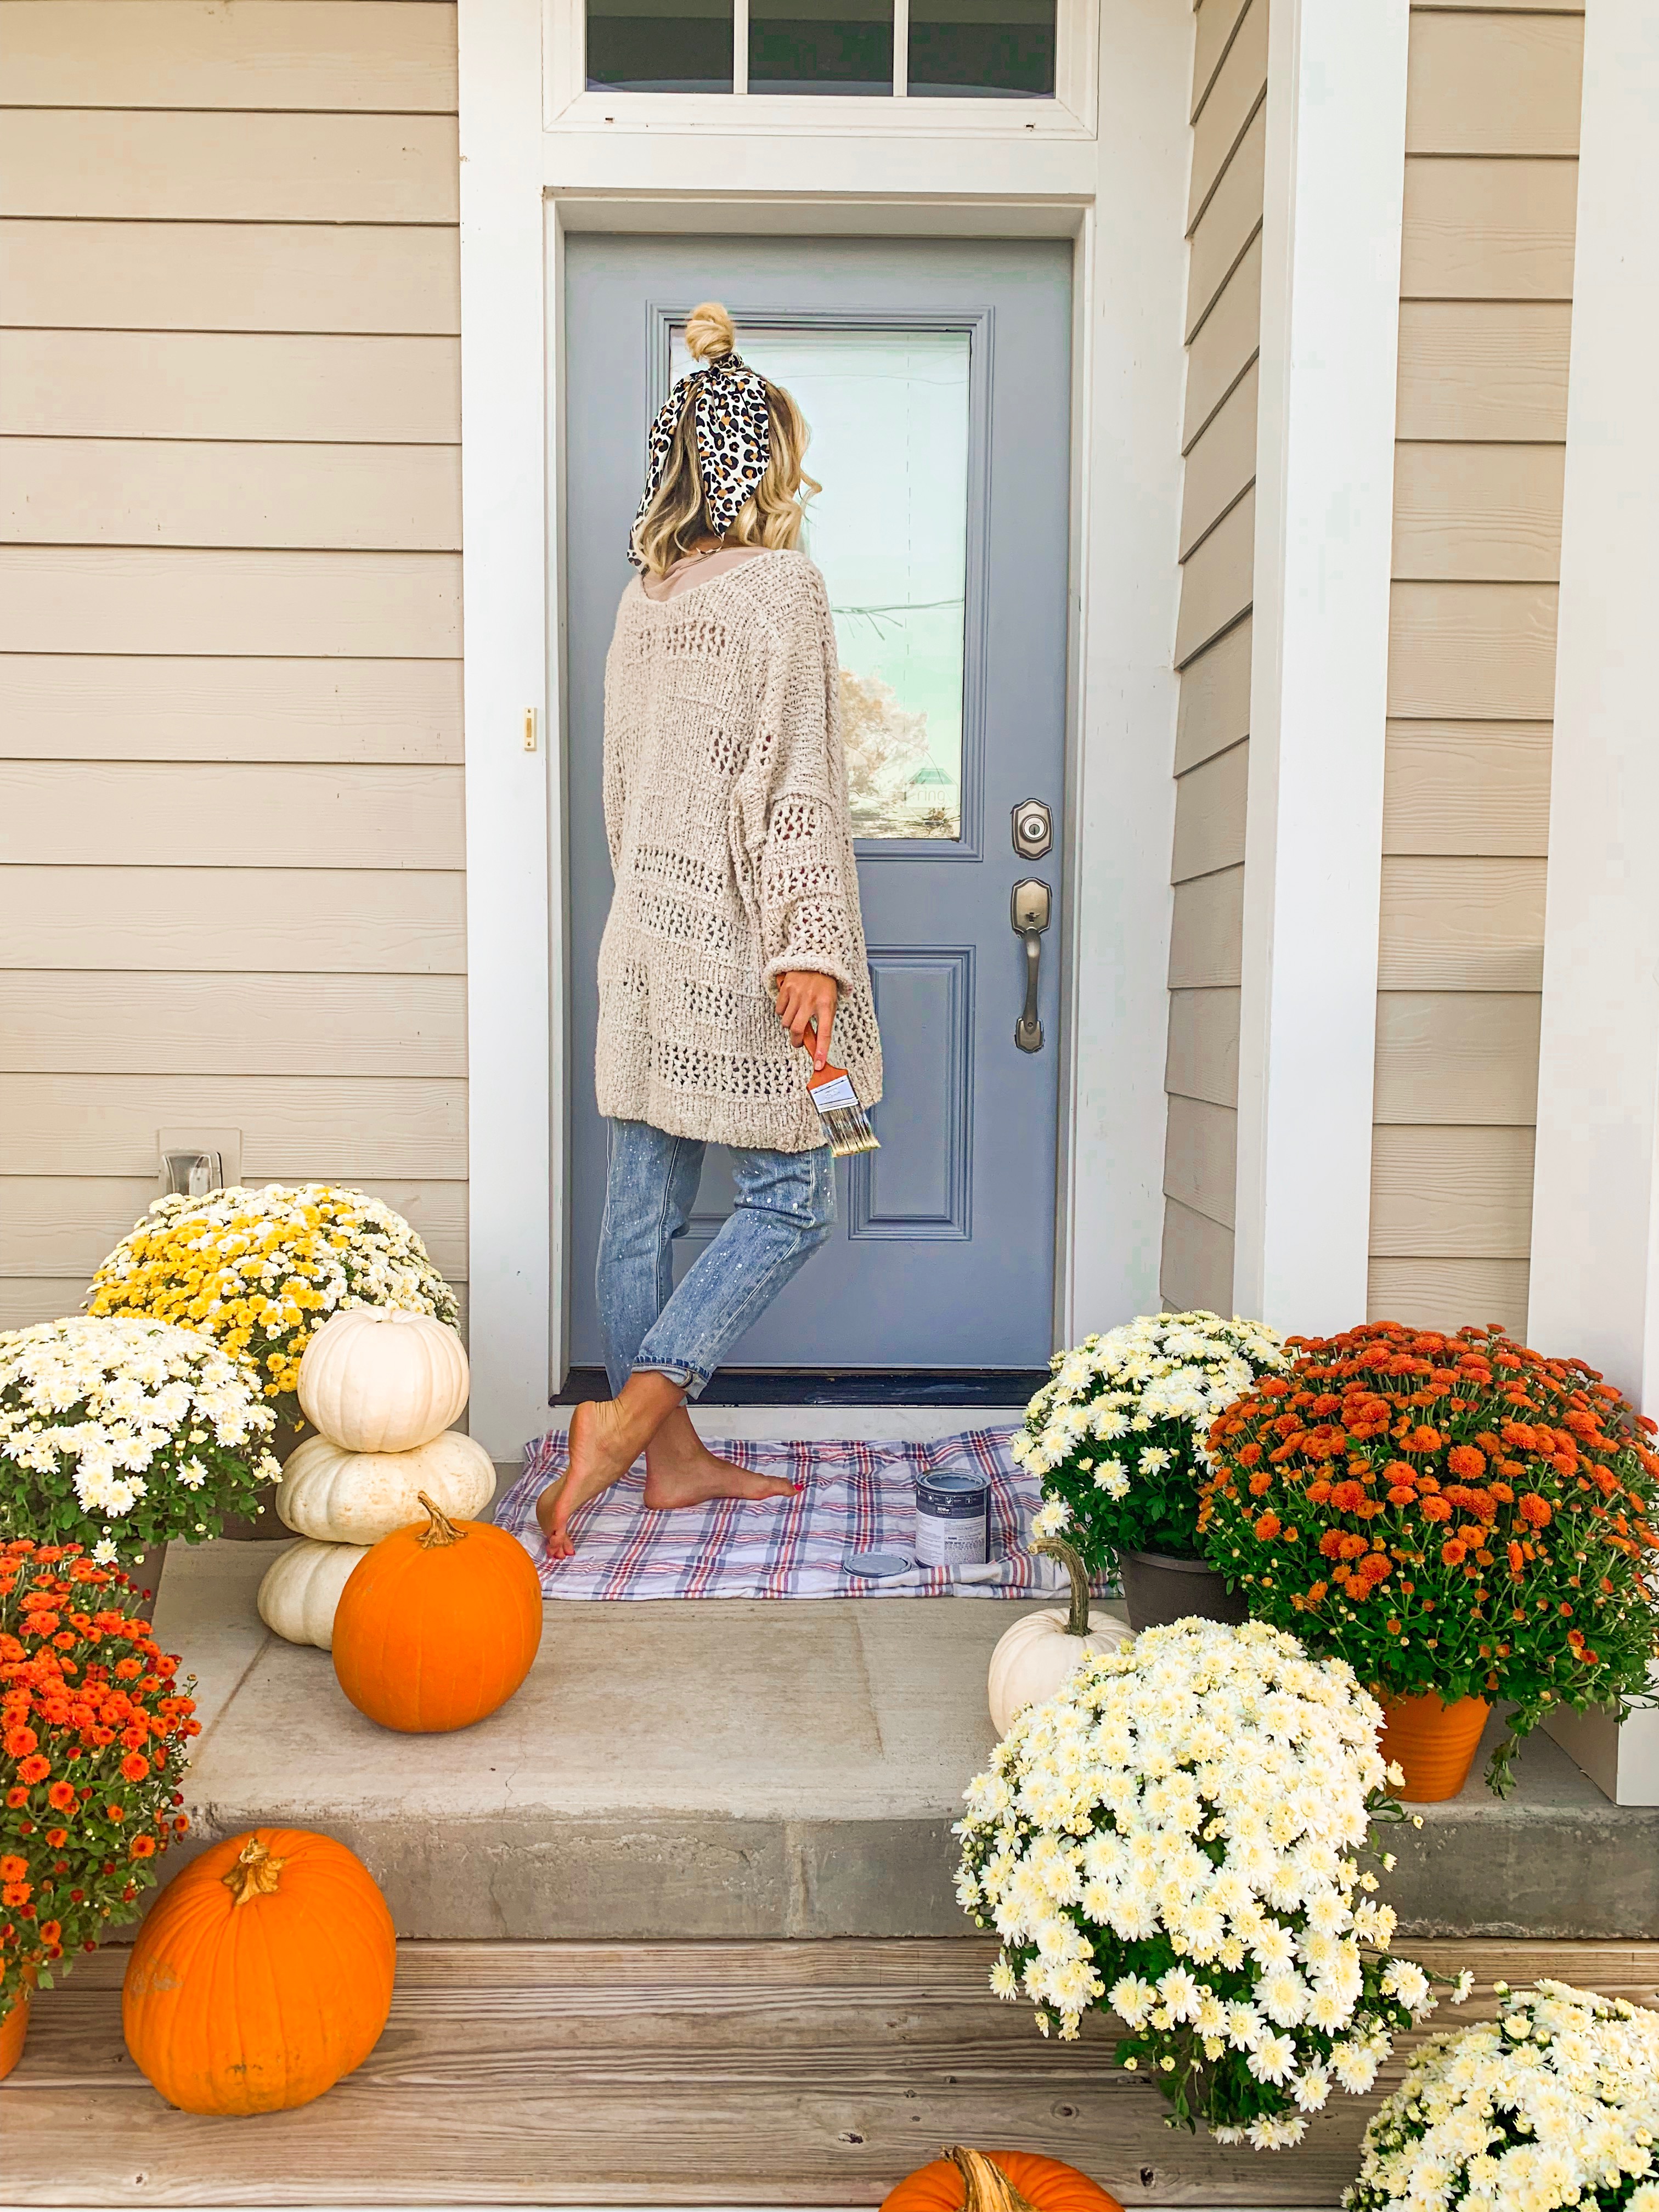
{"x":146,"y":1571}
{"x":1158,"y":1590}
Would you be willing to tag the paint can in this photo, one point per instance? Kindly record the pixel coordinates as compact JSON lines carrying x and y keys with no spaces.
{"x":953,"y":1520}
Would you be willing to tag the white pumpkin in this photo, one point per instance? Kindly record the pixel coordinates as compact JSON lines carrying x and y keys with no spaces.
{"x":301,"y":1588}
{"x":357,"y":1497}
{"x":1043,"y":1650}
{"x":376,"y":1379}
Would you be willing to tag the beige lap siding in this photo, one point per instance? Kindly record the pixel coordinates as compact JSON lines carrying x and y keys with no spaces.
{"x":231,"y":888}
{"x":1486,"y":285}
{"x":1213,"y":650}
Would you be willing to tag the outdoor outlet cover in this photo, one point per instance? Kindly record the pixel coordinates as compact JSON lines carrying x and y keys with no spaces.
{"x":192,"y":1162}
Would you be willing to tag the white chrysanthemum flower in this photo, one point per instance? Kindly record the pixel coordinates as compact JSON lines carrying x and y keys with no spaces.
{"x":1152,"y":1386}
{"x":1548,"y":2117}
{"x":1204,"y":1789}
{"x":1052,"y":1518}
{"x":1275,"y":2134}
{"x":118,"y":1407}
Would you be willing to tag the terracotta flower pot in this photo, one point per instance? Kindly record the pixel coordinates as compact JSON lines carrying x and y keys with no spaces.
{"x":15,"y":2028}
{"x":1157,"y":1589}
{"x":1434,"y":1743}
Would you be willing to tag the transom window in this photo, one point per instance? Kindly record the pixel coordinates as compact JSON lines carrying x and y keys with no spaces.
{"x":932,"y":50}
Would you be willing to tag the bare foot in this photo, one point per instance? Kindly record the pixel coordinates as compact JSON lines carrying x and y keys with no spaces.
{"x":680,"y":1470}
{"x":606,"y":1436}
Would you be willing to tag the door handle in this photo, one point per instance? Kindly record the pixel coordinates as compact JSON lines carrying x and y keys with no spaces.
{"x":1031,"y":909}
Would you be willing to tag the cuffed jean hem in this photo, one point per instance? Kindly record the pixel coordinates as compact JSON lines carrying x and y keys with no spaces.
{"x":688,"y":1379}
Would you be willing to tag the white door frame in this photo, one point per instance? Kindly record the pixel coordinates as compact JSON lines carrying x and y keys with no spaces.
{"x":526,"y":178}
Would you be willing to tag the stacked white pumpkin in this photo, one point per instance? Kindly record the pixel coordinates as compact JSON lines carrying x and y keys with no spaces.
{"x":381,"y":1387}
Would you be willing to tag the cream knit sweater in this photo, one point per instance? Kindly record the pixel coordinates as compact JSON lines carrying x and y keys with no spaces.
{"x":726,"y":808}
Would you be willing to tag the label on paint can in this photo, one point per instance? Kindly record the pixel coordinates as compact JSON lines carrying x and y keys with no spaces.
{"x":953,"y":1521}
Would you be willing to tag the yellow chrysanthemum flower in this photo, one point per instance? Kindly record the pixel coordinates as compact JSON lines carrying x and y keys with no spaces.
{"x":274,"y":1262}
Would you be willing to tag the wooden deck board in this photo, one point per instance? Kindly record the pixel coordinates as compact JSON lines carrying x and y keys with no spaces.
{"x":690,"y":2073}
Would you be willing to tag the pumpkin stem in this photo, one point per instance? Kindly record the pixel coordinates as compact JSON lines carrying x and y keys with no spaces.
{"x":989,"y":2189}
{"x":1057,"y":1548}
{"x":254,"y":1874}
{"x":440,"y":1530}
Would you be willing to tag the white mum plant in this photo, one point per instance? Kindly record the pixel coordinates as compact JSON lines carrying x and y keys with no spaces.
{"x":121,"y":1433}
{"x":1176,"y":1838}
{"x":1555,"y":2103}
{"x":1118,"y":1435}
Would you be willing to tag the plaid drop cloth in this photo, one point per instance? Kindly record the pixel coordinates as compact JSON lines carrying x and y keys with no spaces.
{"x":857,"y":1498}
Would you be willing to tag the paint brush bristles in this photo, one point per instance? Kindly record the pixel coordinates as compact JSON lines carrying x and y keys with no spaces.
{"x":845,"y":1122}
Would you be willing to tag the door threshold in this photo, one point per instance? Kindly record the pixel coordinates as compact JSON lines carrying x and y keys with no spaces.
{"x":819,"y":1385}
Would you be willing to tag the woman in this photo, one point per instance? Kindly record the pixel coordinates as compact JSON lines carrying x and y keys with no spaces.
{"x":733,"y":957}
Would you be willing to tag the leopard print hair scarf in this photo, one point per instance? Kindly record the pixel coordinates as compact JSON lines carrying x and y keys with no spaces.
{"x":734,"y":440}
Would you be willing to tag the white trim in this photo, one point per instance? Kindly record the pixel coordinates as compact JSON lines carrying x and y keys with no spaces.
{"x":1125,"y":507}
{"x":1595,"y":1288}
{"x":522,"y":185}
{"x":514,"y":1077}
{"x":1330,"y":320}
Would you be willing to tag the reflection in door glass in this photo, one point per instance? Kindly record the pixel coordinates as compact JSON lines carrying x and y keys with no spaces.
{"x":659,"y":46}
{"x":887,"y":412}
{"x":981,"y":49}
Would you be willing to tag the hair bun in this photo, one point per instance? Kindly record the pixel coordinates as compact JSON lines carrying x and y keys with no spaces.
{"x":709,"y":331}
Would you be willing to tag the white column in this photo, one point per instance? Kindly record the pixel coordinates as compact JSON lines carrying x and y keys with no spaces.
{"x":510,"y":959}
{"x":1595,"y":1288}
{"x":1330,"y":320}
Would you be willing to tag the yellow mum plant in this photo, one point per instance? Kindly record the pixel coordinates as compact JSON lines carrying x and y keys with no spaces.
{"x":261,"y":1271}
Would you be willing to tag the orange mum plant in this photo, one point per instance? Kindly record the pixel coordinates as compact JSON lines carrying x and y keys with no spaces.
{"x":93,"y":1737}
{"x":1447,"y":1513}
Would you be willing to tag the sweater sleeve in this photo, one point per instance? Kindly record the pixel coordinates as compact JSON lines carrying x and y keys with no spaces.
{"x":794,"y":802}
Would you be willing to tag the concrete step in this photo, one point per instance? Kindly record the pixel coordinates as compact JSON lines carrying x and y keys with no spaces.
{"x":728,"y":1769}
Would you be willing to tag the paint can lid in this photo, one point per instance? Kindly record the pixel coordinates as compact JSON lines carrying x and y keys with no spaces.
{"x":876,"y":1566}
{"x":954,"y":1486}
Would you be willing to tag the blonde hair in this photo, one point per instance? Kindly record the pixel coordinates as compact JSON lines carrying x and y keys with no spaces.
{"x":679,"y":515}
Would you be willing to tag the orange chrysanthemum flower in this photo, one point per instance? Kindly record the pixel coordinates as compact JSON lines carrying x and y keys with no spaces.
{"x":1521,"y":1465}
{"x":74,"y":1669}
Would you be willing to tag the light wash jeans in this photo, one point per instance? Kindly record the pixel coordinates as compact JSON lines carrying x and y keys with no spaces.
{"x":785,"y":1209}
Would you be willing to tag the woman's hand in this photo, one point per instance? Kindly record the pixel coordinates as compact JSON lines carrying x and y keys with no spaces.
{"x":807,"y":1001}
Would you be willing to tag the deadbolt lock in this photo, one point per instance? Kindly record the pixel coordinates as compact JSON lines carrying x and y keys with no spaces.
{"x":1034,"y":828}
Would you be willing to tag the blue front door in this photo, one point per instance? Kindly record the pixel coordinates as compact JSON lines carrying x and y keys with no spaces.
{"x":935,"y":378}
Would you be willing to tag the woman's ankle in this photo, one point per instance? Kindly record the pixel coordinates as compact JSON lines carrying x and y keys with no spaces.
{"x":645,"y":1402}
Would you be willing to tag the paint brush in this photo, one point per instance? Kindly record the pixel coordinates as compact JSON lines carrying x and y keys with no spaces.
{"x":845,"y":1122}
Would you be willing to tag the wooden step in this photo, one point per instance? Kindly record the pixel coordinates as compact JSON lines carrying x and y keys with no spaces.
{"x":776,"y":2074}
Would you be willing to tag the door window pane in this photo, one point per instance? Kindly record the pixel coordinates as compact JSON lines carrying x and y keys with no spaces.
{"x":821,"y":46}
{"x":888,"y":412}
{"x":659,"y":46}
{"x":981,"y":49}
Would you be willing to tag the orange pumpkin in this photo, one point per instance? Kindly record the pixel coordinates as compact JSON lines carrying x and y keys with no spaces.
{"x":262,"y":1974}
{"x":438,"y":1624}
{"x":966,"y":2180}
